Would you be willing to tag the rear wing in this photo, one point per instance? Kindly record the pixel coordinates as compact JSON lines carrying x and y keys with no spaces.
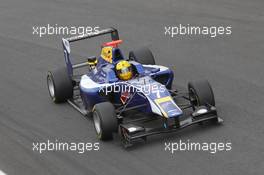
{"x":113,"y":31}
{"x":66,"y":45}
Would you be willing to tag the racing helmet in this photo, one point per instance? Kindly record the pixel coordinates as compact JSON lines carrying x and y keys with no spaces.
{"x":124,"y":70}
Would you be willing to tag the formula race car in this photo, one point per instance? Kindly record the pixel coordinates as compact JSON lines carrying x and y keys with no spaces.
{"x":131,"y":96}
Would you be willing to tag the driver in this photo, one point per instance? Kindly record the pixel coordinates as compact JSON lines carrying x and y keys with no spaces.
{"x":124,"y":70}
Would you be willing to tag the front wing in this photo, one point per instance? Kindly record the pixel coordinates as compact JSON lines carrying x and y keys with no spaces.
{"x":132,"y":132}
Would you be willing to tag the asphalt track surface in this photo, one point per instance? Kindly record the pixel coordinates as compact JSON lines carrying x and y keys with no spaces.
{"x":233,"y":64}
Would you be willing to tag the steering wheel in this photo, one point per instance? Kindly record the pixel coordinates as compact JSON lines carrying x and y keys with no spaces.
{"x":113,"y":43}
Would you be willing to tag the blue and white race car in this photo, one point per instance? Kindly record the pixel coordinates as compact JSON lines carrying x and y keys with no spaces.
{"x":132,"y":96}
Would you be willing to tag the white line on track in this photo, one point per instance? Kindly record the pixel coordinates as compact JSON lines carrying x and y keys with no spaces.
{"x":2,"y":173}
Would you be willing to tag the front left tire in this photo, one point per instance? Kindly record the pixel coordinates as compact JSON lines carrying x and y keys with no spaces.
{"x":201,"y":93}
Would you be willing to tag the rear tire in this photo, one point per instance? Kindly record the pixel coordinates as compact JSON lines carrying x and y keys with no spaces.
{"x":201,"y":93}
{"x":142,"y":55}
{"x":60,"y":85}
{"x":105,"y":121}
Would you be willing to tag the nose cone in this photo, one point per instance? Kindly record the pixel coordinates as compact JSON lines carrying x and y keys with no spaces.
{"x":168,"y":107}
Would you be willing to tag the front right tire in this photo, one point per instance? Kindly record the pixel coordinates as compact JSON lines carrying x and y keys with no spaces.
{"x":105,"y":121}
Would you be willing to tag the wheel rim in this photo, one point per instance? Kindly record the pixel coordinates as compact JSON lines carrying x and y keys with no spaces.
{"x":194,"y":96}
{"x":97,"y":123}
{"x":51,"y":87}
